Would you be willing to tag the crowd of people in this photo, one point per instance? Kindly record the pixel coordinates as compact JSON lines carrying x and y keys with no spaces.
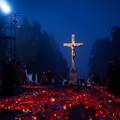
{"x":48,"y":78}
{"x":13,"y":77}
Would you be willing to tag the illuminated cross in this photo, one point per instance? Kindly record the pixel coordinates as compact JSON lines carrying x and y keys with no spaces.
{"x":73,"y":45}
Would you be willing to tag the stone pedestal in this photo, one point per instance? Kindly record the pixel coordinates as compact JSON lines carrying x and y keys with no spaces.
{"x":73,"y":76}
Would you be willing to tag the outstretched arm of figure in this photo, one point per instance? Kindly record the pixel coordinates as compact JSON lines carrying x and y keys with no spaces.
{"x":78,"y":44}
{"x":67,"y":44}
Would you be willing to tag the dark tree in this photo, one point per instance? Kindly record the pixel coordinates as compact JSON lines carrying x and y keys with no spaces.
{"x":115,"y":42}
{"x":100,"y":61}
{"x":39,"y":49}
{"x":100,"y":55}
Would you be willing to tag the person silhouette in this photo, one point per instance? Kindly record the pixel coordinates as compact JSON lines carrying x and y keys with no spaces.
{"x":9,"y":78}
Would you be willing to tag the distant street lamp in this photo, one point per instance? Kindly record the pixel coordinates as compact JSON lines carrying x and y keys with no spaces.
{"x":5,"y":7}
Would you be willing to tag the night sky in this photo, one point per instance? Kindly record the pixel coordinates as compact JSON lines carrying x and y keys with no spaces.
{"x":88,"y":19}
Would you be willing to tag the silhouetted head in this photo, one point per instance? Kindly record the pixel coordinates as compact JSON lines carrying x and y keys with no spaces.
{"x":12,"y":62}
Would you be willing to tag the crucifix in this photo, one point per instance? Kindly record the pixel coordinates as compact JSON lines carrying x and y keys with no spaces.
{"x":73,"y":45}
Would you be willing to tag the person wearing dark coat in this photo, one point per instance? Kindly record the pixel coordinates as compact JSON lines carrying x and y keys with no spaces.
{"x":33,"y":78}
{"x":113,"y":76}
{"x":9,"y":78}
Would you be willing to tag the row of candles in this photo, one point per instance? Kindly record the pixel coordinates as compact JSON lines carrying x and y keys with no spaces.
{"x":54,"y":104}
